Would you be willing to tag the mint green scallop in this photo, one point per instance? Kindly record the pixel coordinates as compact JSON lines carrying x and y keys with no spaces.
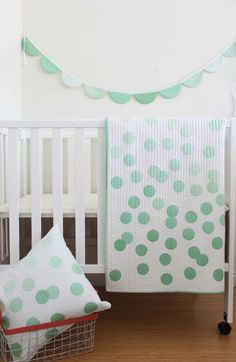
{"x":216,"y":124}
{"x":215,"y":65}
{"x":158,"y":203}
{"x":33,"y":321}
{"x":188,"y":234}
{"x":143,"y":218}
{"x":120,"y":245}
{"x":153,"y":235}
{"x":212,"y":187}
{"x":165,"y":259}
{"x":55,"y":261}
{"x":9,"y":286}
{"x":29,"y":48}
{"x":167,"y":144}
{"x":194,"y":80}
{"x":136,"y":176}
{"x":187,"y":149}
{"x":134,"y":202}
{"x":142,"y":268}
{"x":196,"y":190}
{"x":115,"y":275}
{"x":53,"y":291}
{"x":213,"y":175}
{"x":129,"y":159}
{"x":172,"y":210}
{"x":174,"y":165}
{"x":94,"y":92}
{"x":195,"y":169}
{"x":120,"y":98}
{"x":202,"y":260}
{"x":42,"y":296}
{"x":146,"y":98}
{"x":217,"y":243}
{"x":171,"y":243}
{"x":16,"y":349}
{"x":194,"y":252}
{"x":185,"y":131}
{"x":51,"y":333}
{"x":150,"y":145}
{"x":16,"y":305}
{"x":220,"y":199}
{"x":127,"y":237}
{"x":178,"y":186}
{"x":57,"y":317}
{"x":149,"y":191}
{"x":206,"y":208}
{"x":70,"y":81}
{"x":171,"y":222}
{"x":141,"y":250}
{"x":76,"y":269}
{"x":218,"y":275}
{"x":126,"y":217}
{"x":28,"y":284}
{"x":209,"y":151}
{"x":171,"y":92}
{"x":230,"y":51}
{"x":153,"y":171}
{"x":48,"y":66}
{"x":166,"y":279}
{"x":191,"y":217}
{"x":116,"y":152}
{"x":208,"y":227}
{"x":116,"y":182}
{"x":222,"y":220}
{"x":77,"y":289}
{"x":128,"y":138}
{"x":190,"y":273}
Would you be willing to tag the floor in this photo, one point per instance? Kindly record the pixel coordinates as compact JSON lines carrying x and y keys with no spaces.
{"x":161,"y":328}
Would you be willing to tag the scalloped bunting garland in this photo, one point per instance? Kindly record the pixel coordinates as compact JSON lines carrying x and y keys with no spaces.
{"x":95,"y":92}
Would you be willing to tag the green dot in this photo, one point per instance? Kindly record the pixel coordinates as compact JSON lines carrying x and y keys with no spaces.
{"x":202,"y":260}
{"x":115,"y":275}
{"x":208,"y":227}
{"x":149,"y":191}
{"x":165,"y":259}
{"x":188,"y":234}
{"x":77,"y":289}
{"x":143,"y":218}
{"x":191,"y":217}
{"x":185,"y":131}
{"x":134,"y":202}
{"x":33,"y":321}
{"x":212,"y":187}
{"x":90,"y":307}
{"x":129,"y":160}
{"x":206,"y":208}
{"x":162,"y":176}
{"x":187,"y":149}
{"x":158,"y":203}
{"x":218,"y":275}
{"x":172,"y":124}
{"x":28,"y":284}
{"x":153,"y":235}
{"x":30,"y":262}
{"x":16,"y":305}
{"x":116,"y":182}
{"x":143,"y":269}
{"x":128,"y":138}
{"x":222,"y":220}
{"x":6,"y":322}
{"x":136,"y":176}
{"x":125,"y":217}
{"x":127,"y":237}
{"x":196,"y":190}
{"x":167,"y":144}
{"x":153,"y":171}
{"x":194,"y":252}
{"x":220,"y":200}
{"x":76,"y":269}
{"x":51,"y":333}
{"x":166,"y":279}
{"x":141,"y":250}
{"x":120,"y":245}
{"x":171,"y":222}
{"x":172,"y":210}
{"x":42,"y":296}
{"x":115,"y":152}
{"x":2,"y":306}
{"x":170,"y":243}
{"x":213,"y":175}
{"x":57,"y":317}
{"x":209,"y":151}
{"x":174,"y":165}
{"x":178,"y":186}
{"x":217,"y":243}
{"x":194,"y":169}
{"x":216,"y":124}
{"x":53,"y":291}
{"x":9,"y":286}
{"x":16,"y":349}
{"x":190,"y":273}
{"x":150,"y":145}
{"x":55,"y":262}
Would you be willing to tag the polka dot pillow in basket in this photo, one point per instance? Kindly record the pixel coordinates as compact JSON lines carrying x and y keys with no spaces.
{"x":48,"y":308}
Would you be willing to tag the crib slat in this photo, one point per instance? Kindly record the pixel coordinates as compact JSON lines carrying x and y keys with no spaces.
{"x":79,"y":197}
{"x":70,"y":166}
{"x":13,"y":195}
{"x":2,"y":167}
{"x":35,"y":185}
{"x":101,"y":192}
{"x":57,"y":178}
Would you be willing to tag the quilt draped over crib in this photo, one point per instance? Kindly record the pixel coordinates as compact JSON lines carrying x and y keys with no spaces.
{"x":165,"y":205}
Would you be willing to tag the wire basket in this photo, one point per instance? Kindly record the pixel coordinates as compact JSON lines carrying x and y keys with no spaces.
{"x":77,"y":339}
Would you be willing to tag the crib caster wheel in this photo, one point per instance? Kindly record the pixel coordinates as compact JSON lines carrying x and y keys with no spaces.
{"x":224,"y":328}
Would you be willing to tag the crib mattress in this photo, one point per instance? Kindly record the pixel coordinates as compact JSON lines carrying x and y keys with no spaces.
{"x":47,"y":206}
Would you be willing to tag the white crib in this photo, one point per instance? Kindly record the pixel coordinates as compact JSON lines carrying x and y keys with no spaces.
{"x":77,"y":195}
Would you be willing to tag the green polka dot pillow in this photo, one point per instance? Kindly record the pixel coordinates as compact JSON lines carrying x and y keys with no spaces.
{"x":47,"y":285}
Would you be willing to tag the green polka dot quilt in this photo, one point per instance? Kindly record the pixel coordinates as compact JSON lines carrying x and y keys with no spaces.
{"x":46,"y":286}
{"x":165,"y":205}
